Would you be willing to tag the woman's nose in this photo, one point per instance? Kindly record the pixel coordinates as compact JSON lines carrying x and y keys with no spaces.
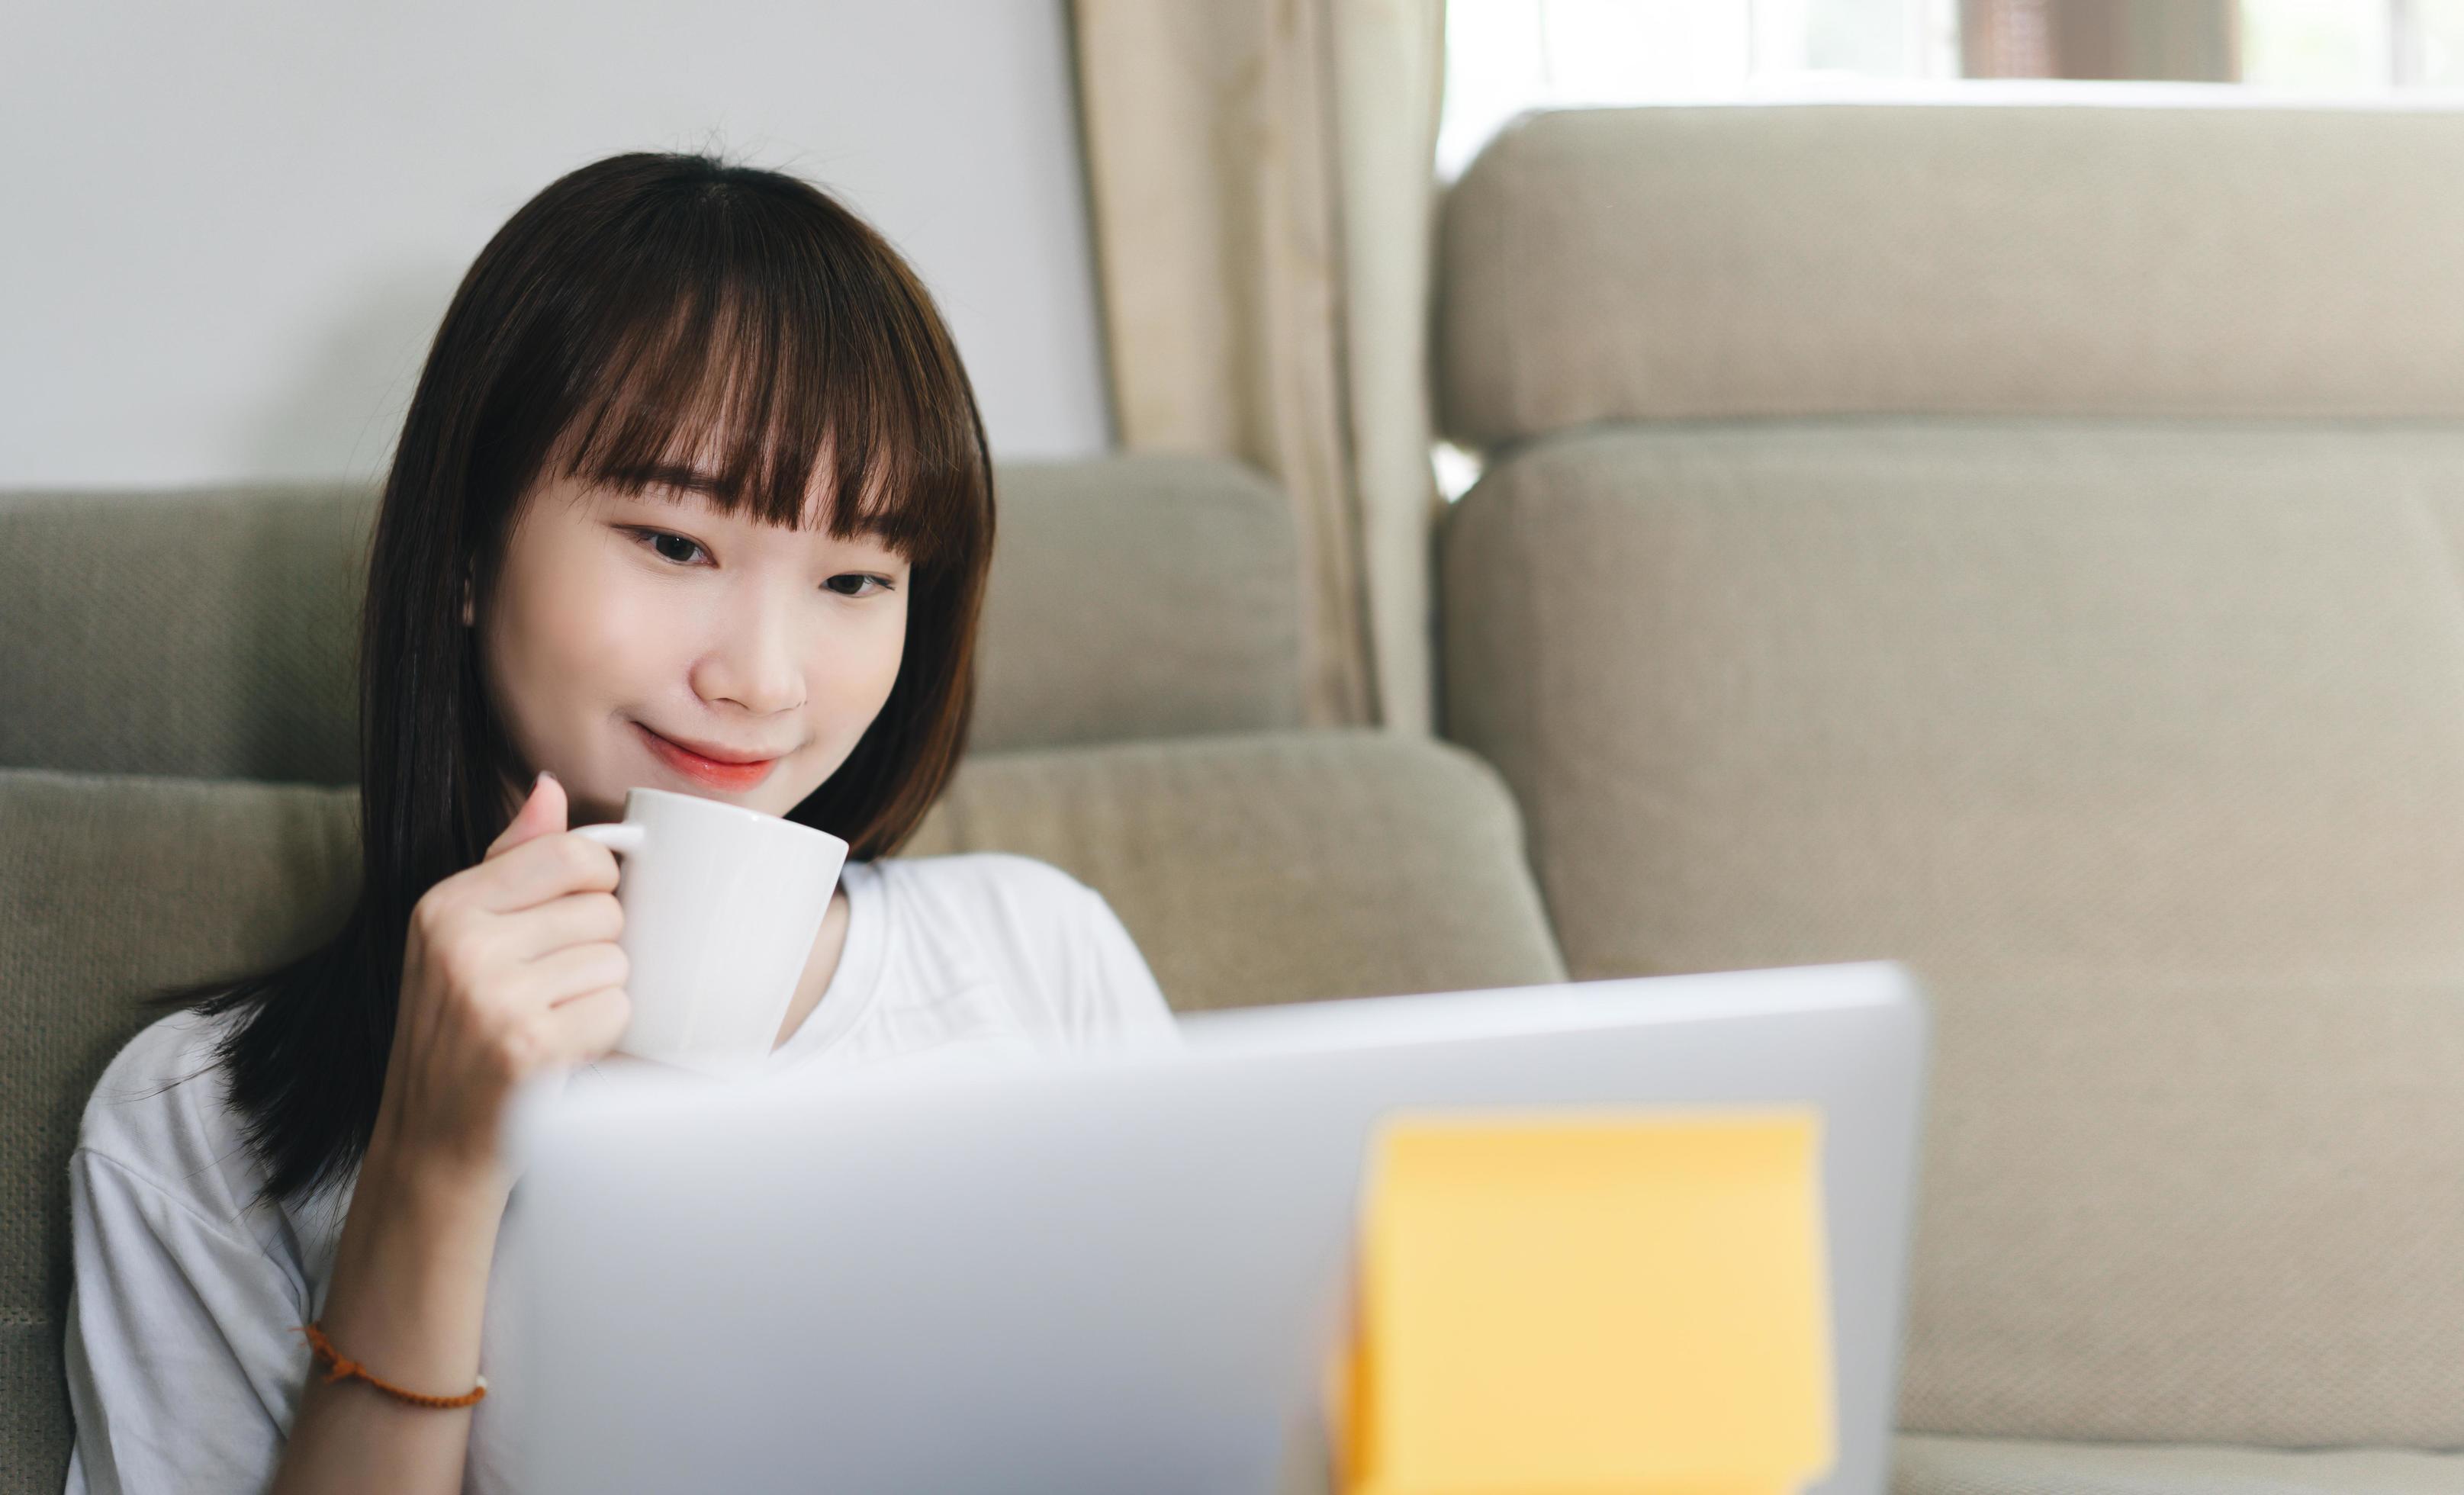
{"x":753,"y":662}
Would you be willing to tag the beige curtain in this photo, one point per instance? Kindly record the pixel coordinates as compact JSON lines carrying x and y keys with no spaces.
{"x":1263,"y":178}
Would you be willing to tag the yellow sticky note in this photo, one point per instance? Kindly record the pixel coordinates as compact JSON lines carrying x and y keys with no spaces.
{"x":1575,"y":1303}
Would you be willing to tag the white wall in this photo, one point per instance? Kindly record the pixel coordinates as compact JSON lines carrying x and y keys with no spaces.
{"x":228,"y":230}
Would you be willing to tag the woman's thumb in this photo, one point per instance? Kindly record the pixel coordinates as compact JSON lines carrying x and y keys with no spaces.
{"x":541,"y":814}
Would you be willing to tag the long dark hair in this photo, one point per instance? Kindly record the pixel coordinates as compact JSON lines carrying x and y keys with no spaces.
{"x":638,"y":313}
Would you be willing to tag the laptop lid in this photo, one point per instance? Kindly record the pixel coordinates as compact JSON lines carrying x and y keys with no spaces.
{"x":1110,"y":1273}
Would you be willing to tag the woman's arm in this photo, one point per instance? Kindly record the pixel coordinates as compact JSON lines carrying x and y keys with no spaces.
{"x":409,"y":1283}
{"x":510,"y":967}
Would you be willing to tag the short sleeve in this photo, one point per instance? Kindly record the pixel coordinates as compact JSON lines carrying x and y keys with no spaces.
{"x":1118,"y":1000}
{"x":182,"y":1372}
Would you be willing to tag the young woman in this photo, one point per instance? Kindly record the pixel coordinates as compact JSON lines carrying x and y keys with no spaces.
{"x":692,"y":493}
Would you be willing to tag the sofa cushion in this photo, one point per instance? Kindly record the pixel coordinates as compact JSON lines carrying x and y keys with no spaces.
{"x":1925,"y":1465}
{"x":1255,"y":868}
{"x":212,"y":633}
{"x":110,"y":888}
{"x":207,"y":634}
{"x":1138,"y":595}
{"x":1674,"y":262}
{"x":2158,"y":1210}
{"x":2143,"y":745}
{"x":1275,"y":866}
{"x":1989,"y":696}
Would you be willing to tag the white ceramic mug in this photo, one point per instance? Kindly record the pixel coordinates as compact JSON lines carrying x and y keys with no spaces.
{"x":721,"y":905}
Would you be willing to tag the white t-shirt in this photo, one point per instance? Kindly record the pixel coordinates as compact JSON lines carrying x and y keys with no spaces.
{"x":183,"y":1367}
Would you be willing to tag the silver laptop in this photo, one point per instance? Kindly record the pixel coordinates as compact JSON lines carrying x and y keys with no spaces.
{"x":1122,"y":1273}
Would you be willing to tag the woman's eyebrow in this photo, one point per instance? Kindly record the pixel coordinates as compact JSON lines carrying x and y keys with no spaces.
{"x":678,"y":479}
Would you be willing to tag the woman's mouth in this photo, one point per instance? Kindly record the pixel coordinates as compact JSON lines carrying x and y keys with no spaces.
{"x":716,"y":773}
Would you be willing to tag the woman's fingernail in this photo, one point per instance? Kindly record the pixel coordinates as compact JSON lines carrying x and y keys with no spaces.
{"x":545,"y":777}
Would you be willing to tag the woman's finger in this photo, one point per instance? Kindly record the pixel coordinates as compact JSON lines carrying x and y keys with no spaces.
{"x":541,"y":812}
{"x":570,"y":972}
{"x":577,"y":918}
{"x":544,"y":867}
{"x":588,"y":1025}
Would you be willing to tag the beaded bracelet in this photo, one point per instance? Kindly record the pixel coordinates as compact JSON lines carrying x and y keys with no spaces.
{"x":324,"y":1351}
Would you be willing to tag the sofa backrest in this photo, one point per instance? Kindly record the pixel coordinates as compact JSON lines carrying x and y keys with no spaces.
{"x":1922,"y":533}
{"x":212,"y":633}
{"x":1250,"y":868}
{"x":1681,"y":263}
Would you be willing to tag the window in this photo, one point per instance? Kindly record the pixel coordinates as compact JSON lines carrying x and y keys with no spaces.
{"x":2351,"y":45}
{"x":1504,"y":56}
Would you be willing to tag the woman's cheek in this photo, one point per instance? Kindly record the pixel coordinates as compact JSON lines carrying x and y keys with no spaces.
{"x":633,"y":620}
{"x":889,"y":650}
{"x":621,"y":630}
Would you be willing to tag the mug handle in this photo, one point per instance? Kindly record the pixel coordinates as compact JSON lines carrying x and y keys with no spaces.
{"x":620,"y":836}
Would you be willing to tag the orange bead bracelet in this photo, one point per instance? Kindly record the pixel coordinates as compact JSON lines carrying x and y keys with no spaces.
{"x":342,"y":1369}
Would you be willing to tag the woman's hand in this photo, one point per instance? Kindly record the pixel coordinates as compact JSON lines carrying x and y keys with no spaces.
{"x":511,"y":966}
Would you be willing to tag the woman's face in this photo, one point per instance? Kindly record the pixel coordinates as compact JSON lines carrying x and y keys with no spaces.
{"x":651,"y":640}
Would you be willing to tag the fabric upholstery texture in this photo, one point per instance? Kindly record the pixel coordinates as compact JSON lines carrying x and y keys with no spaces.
{"x":1139,"y":597}
{"x":208,"y":633}
{"x":213,"y":633}
{"x":1276,"y":866}
{"x":1264,"y":867}
{"x":2191,"y":1211}
{"x":1680,"y":262}
{"x":2144,"y":743}
{"x":2005,"y":697}
{"x":1922,"y":1465}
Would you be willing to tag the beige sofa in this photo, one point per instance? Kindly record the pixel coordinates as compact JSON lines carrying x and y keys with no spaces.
{"x":2022,"y":542}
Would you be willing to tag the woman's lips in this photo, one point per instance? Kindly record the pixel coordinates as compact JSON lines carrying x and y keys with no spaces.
{"x":705,"y":770}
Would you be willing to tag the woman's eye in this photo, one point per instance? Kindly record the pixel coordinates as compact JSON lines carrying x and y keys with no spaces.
{"x":681,"y":551}
{"x":661,"y":542}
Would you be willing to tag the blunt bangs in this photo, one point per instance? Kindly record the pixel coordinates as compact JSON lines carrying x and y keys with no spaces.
{"x":729,"y":353}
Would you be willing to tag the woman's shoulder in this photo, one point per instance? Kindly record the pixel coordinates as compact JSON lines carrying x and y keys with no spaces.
{"x":160,"y":1111}
{"x":1004,"y":879}
{"x":1010,"y":909}
{"x":1052,"y":943}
